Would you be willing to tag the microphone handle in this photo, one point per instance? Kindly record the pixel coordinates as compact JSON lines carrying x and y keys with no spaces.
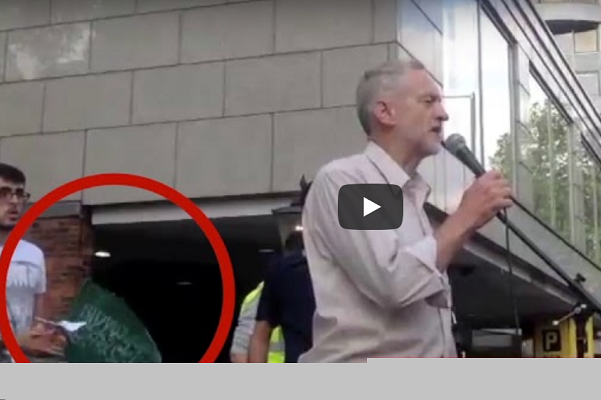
{"x":469,"y":160}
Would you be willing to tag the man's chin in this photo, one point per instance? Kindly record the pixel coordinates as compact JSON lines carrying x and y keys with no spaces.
{"x":433,"y":149}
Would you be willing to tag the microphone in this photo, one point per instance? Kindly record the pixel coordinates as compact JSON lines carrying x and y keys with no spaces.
{"x":455,"y":144}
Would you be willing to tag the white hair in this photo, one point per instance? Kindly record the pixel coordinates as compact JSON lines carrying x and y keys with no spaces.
{"x":378,"y":81}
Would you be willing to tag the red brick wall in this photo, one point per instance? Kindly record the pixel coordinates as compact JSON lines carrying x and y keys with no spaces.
{"x":67,"y":245}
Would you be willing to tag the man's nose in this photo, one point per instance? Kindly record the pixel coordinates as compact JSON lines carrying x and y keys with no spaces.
{"x":442,"y":113}
{"x":14,"y":198}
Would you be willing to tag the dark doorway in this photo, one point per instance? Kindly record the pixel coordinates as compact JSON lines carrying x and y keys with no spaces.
{"x":174,"y":285}
{"x":177,"y":302}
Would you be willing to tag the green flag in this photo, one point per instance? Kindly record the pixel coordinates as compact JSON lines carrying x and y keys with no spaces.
{"x":112,"y":334}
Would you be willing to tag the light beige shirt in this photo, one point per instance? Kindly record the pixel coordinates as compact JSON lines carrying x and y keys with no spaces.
{"x":377,"y":293}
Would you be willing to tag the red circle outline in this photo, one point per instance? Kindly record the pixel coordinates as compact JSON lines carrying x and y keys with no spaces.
{"x":88,"y":182}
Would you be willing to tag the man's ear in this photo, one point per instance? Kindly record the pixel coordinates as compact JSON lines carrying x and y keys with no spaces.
{"x":384,"y":114}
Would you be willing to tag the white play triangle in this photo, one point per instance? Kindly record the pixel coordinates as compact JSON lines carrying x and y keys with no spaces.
{"x":369,"y":207}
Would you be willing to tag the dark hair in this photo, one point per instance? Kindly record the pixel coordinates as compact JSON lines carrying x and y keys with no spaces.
{"x":11,"y":174}
{"x":294,"y":241}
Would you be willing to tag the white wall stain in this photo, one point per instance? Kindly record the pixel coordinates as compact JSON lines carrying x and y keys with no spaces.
{"x":41,"y":54}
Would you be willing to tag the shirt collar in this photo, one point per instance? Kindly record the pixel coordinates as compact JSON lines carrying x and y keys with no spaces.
{"x":395,"y":174}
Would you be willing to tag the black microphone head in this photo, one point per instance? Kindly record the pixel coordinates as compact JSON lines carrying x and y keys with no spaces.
{"x":456,"y":145}
{"x":455,"y":142}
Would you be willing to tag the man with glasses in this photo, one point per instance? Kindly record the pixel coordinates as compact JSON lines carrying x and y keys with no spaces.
{"x":26,"y":281}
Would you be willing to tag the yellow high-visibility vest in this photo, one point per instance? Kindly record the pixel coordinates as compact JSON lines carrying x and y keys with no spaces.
{"x":276,"y":345}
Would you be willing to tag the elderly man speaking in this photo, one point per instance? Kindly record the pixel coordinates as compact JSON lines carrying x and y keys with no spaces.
{"x":385,"y":292}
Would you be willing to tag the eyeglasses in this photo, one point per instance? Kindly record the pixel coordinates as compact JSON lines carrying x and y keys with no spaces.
{"x":7,"y":193}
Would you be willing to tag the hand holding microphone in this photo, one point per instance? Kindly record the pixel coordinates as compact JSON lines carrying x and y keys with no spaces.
{"x":485,"y":198}
{"x":488,"y":195}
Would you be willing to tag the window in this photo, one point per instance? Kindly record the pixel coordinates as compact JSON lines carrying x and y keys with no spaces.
{"x":587,"y":41}
{"x":590,"y":212}
{"x":593,"y":224}
{"x":548,"y":159}
{"x":539,"y":150}
{"x":497,"y":140}
{"x":477,"y":83}
{"x":580,"y":176}
{"x":460,"y":58}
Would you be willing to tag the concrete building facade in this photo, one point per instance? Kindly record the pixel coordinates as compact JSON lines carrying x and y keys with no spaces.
{"x":231,"y":102}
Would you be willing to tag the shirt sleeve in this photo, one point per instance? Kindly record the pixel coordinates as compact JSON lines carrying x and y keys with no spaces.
{"x":268,"y":304}
{"x":245,"y":328}
{"x":386,"y":270}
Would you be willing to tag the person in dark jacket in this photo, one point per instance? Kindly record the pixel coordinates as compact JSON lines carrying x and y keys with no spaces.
{"x":287,"y":301}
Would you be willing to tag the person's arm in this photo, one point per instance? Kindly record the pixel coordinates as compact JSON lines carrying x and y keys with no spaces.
{"x":239,"y":358}
{"x":450,"y":237}
{"x":377,"y":262}
{"x":386,"y":270}
{"x":38,"y":340}
{"x":266,"y":320}
{"x":243,"y":332}
{"x":42,"y":338}
{"x":259,"y":342}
